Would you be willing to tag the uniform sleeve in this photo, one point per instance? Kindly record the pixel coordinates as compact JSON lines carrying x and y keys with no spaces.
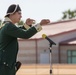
{"x":14,"y":31}
{"x":22,"y":27}
{"x":25,"y":27}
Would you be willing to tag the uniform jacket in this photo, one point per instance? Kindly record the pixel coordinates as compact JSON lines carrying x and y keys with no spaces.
{"x":9,"y":43}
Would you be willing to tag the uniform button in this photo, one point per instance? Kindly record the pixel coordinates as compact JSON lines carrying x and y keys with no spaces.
{"x":3,"y":50}
{"x":4,"y":63}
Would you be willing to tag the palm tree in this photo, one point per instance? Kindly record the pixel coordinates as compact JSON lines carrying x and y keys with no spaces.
{"x":69,"y":14}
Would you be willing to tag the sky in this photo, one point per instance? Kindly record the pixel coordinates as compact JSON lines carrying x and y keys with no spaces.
{"x":39,"y":9}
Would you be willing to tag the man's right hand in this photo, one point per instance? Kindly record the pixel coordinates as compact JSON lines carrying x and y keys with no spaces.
{"x":44,"y":22}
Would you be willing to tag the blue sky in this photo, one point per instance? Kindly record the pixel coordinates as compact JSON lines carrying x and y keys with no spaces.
{"x":39,"y":9}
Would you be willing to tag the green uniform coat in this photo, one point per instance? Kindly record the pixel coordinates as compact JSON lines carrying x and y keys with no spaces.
{"x":9,"y":46}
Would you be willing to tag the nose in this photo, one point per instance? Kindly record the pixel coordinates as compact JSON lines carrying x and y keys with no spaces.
{"x":20,"y":16}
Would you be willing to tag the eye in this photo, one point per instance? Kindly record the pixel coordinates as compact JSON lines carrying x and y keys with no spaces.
{"x":19,"y":12}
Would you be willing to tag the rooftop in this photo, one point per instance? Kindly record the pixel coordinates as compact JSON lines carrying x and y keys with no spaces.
{"x":56,"y":28}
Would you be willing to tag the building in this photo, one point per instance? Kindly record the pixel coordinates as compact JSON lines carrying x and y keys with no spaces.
{"x":36,"y":49}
